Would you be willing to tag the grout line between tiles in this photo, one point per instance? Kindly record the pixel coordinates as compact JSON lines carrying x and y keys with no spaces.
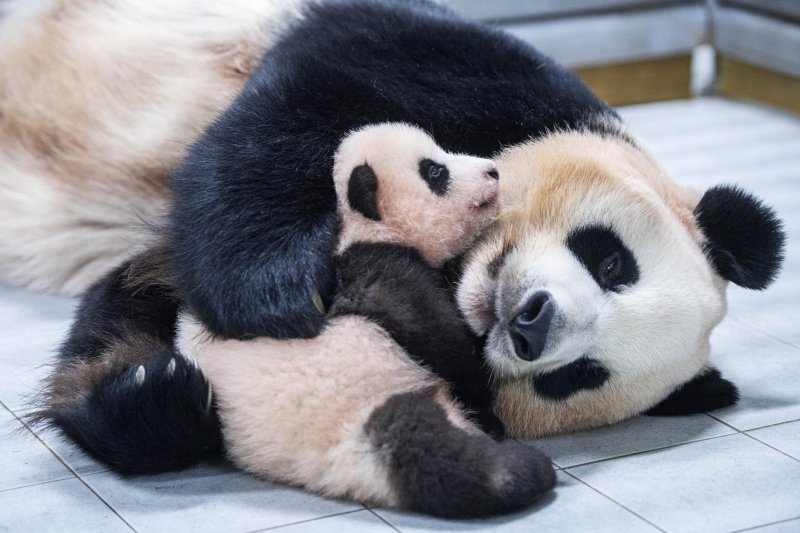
{"x":315,"y":519}
{"x":609,"y":498}
{"x":385,"y":521}
{"x":737,"y":430}
{"x":37,"y":483}
{"x":68,"y":467}
{"x":765,"y":525}
{"x":771,"y":335}
{"x":773,"y":447}
{"x":771,"y":425}
{"x":631,"y":454}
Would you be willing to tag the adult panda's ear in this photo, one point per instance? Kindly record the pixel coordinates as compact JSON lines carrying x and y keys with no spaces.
{"x":362,"y":192}
{"x":744,"y":238}
{"x":707,"y":391}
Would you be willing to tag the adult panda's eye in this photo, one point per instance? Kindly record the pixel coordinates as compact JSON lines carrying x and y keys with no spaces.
{"x":610,"y":269}
{"x":605,"y":257}
{"x":435,"y":175}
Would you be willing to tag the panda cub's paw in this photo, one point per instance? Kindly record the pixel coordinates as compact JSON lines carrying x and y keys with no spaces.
{"x":147,"y":419}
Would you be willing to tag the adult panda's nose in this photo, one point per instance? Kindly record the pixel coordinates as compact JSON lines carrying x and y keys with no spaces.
{"x":530,"y":327}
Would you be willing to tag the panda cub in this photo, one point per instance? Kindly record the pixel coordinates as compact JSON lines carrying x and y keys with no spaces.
{"x":348,"y":413}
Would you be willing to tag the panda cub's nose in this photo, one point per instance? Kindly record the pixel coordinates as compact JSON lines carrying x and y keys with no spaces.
{"x":530,"y":327}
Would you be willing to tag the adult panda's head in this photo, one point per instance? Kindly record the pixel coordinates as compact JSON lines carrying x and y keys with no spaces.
{"x":598,"y":286}
{"x":394,"y":184}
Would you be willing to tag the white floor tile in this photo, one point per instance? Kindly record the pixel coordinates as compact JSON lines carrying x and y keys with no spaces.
{"x":631,"y":436}
{"x":784,"y":437}
{"x":736,"y":336}
{"x":790,"y":526}
{"x":17,"y":305}
{"x":203,"y":499}
{"x":23,"y":459}
{"x":768,"y":385}
{"x":360,"y":521}
{"x":20,"y":382}
{"x":58,"y":507}
{"x":81,"y":463}
{"x":573,"y":507}
{"x":716,"y":485}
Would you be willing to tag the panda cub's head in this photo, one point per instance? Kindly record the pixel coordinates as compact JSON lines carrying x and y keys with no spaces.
{"x":394,"y":184}
{"x":599,"y":284}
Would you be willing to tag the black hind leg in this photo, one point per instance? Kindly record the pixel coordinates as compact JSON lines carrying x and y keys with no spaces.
{"x":149,"y":418}
{"x":120,"y":391}
{"x":440,"y":469}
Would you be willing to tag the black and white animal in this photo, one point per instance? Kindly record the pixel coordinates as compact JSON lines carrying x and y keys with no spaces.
{"x":347,"y":413}
{"x":634,"y":267}
{"x":288,"y":409}
{"x":624,"y":345}
{"x":600,"y":284}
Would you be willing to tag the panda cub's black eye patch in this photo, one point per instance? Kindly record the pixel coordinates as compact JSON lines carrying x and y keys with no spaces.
{"x":435,"y":175}
{"x":605,"y":256}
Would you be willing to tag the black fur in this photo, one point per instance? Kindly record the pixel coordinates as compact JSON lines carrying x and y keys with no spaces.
{"x":392,"y":285}
{"x":435,"y":175}
{"x":437,"y":468}
{"x":254,"y":220}
{"x":705,"y":392}
{"x":744,"y":237}
{"x":565,"y":381}
{"x":362,"y":192}
{"x":113,"y":309}
{"x":164,"y":424}
{"x":604,"y":255}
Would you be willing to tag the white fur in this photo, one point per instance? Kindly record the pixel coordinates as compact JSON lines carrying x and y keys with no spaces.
{"x":98,"y":101}
{"x":438,"y":227}
{"x":290,"y":410}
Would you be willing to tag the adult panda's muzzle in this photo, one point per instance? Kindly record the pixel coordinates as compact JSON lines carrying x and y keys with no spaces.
{"x":529,"y":329}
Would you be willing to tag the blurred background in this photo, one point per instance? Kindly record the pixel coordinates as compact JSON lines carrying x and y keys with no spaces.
{"x":635,"y":51}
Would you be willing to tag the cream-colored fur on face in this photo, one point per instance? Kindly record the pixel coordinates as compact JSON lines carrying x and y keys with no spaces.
{"x":295,"y":411}
{"x":98,"y":102}
{"x":652,"y":336}
{"x":438,"y":227}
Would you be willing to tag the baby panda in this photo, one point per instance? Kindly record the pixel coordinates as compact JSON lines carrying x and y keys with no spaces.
{"x":600,"y":283}
{"x":348,"y":413}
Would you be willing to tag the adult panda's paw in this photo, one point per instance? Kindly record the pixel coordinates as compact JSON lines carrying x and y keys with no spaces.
{"x":438,"y":468}
{"x":147,"y":419}
{"x":707,"y":391}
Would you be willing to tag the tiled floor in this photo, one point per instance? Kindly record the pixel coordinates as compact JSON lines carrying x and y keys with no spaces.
{"x":734,"y":469}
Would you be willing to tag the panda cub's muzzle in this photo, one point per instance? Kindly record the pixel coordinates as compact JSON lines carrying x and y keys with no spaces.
{"x":529,"y":329}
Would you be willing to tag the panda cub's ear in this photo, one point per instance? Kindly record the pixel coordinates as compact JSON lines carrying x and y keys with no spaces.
{"x":362,"y":192}
{"x":707,"y":391}
{"x":744,"y":238}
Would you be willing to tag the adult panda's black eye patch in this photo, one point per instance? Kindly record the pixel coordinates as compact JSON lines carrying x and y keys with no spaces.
{"x":605,"y":256}
{"x":435,"y":175}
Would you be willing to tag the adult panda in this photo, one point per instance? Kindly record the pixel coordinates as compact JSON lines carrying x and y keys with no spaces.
{"x":254,"y":218}
{"x":254,"y":223}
